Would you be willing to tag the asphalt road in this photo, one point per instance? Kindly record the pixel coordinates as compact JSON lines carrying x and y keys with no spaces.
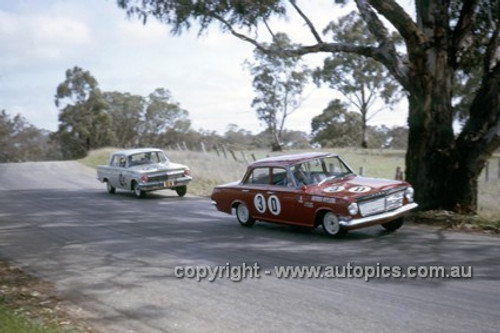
{"x":114,"y":256}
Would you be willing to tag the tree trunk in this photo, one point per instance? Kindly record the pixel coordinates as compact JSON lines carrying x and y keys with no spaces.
{"x":477,"y":142}
{"x":430,"y":158}
{"x":445,"y":171}
{"x":364,"y":142}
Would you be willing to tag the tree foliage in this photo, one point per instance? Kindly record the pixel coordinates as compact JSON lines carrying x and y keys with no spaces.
{"x":278,"y":83}
{"x":439,"y":47}
{"x":84,"y":123}
{"x":20,"y":141}
{"x":365,"y":83}
{"x":336,"y":126}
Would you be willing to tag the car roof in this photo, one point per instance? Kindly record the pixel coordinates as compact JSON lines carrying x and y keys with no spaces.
{"x":291,"y":159}
{"x":135,"y":151}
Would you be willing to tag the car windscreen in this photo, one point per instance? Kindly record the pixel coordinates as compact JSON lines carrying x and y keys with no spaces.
{"x":318,"y":170}
{"x":147,"y":158}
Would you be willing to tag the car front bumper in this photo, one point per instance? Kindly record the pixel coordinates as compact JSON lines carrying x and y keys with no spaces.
{"x":378,"y":218}
{"x":162,"y":185}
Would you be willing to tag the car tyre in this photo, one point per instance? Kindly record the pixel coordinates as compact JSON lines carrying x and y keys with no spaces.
{"x":393,"y":225}
{"x":138,"y":192}
{"x":110,"y":188}
{"x":332,"y":226}
{"x":181,"y":190}
{"x":243,"y":215}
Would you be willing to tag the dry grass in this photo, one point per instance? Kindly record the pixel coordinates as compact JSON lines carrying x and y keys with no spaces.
{"x":210,"y":169}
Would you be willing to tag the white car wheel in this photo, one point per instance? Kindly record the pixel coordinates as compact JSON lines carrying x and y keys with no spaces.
{"x":138,"y":192}
{"x":243,"y":215}
{"x":110,"y":188}
{"x":331,"y":225}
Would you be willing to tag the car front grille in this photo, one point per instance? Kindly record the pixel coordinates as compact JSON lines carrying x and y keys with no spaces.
{"x":382,"y":204}
{"x":168,"y":176}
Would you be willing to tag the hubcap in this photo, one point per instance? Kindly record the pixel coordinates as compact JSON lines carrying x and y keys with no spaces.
{"x":243,"y":213}
{"x":331,"y":223}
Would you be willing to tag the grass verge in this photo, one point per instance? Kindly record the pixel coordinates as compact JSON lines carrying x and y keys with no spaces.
{"x":28,"y":305}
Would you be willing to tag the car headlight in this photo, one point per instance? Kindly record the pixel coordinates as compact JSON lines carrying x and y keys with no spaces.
{"x":409,"y":194}
{"x":353,"y":208}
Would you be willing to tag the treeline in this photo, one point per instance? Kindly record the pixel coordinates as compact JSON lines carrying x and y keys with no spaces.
{"x":21,"y":141}
{"x":90,"y":118}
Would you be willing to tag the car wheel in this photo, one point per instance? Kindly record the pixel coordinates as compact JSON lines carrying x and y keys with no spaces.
{"x":110,"y":188}
{"x":243,"y":215}
{"x":393,"y":225}
{"x":331,"y":225}
{"x":138,"y":192}
{"x":181,"y":190}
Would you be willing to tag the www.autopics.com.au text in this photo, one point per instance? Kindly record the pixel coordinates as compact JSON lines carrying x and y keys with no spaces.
{"x":244,"y":271}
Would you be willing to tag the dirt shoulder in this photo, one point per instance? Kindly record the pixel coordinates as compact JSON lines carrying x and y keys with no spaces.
{"x":35,"y":299}
{"x":452,"y":221}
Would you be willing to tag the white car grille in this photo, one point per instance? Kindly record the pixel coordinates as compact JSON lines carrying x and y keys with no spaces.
{"x":383,"y":204}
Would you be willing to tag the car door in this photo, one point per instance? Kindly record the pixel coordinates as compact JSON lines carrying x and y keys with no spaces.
{"x":284,"y":198}
{"x":118,"y":165}
{"x":271,"y":195}
{"x":254,"y":192}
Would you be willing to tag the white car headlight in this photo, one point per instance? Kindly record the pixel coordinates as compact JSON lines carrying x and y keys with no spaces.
{"x":409,"y":194}
{"x":353,"y":208}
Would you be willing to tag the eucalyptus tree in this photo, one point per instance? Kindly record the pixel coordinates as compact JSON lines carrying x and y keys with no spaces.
{"x":162,"y":117}
{"x":278,"y":82}
{"x":438,"y":41}
{"x":83,"y":122}
{"x":125,"y":110}
{"x":364,"y":82}
{"x":21,"y":141}
{"x":336,"y":126}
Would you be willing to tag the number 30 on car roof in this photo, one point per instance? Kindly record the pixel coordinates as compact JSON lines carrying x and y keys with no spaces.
{"x":273,"y":204}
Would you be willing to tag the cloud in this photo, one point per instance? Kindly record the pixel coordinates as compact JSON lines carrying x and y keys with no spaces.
{"x":39,"y":38}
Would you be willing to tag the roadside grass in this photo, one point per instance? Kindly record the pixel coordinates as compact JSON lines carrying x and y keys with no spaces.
{"x":210,"y":169}
{"x":27,"y":305}
{"x":14,"y":323}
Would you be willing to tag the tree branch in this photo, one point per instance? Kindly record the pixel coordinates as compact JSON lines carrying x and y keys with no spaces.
{"x":492,"y":57}
{"x":398,"y":18}
{"x":389,"y":57}
{"x":463,"y":29}
{"x":308,"y":22}
{"x":387,"y":50}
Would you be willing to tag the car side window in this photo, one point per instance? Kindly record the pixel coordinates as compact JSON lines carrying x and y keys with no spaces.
{"x":258,"y":176}
{"x":118,"y":161}
{"x":280,"y":177}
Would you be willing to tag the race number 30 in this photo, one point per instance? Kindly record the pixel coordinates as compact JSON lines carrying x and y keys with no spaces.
{"x":260,"y":203}
{"x":273,"y":203}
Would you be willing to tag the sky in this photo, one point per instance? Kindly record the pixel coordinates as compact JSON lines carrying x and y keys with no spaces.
{"x":40,"y":40}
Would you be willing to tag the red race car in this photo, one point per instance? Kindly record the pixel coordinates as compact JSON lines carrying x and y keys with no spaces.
{"x":312,"y":189}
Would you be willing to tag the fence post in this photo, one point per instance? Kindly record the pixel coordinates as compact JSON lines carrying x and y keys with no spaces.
{"x":498,"y":169}
{"x":217,"y":150}
{"x":487,"y":171}
{"x":223,"y":151}
{"x":234,"y":156}
{"x":399,"y":173}
{"x":244,"y":157}
{"x":254,"y":159}
{"x":203,"y":147}
{"x":361,"y":171}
